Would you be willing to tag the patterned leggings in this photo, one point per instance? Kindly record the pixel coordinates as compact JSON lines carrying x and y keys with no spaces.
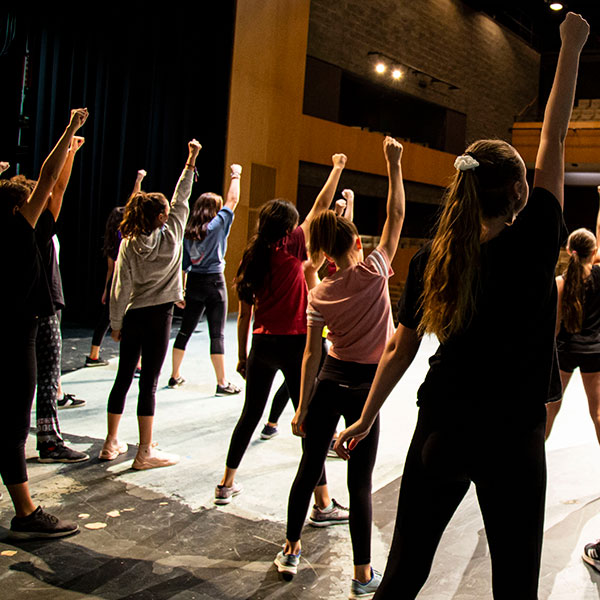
{"x":48,"y":351}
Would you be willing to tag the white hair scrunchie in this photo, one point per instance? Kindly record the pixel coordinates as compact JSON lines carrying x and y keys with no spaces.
{"x":465,"y":162}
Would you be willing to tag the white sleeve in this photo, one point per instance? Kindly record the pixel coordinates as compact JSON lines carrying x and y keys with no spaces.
{"x":379,"y":260}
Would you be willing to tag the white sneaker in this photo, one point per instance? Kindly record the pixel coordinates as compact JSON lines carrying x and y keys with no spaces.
{"x":150,"y":457}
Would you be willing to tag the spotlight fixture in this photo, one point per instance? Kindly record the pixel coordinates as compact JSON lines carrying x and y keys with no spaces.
{"x":399,"y":70}
{"x":555,"y":5}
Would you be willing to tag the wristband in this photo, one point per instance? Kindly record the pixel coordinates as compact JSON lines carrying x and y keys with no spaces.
{"x":194,"y":169}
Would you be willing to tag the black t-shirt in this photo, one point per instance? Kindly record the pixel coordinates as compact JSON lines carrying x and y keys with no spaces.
{"x":29,"y":290}
{"x":507,"y":354}
{"x":44,"y":232}
{"x":587,"y":341}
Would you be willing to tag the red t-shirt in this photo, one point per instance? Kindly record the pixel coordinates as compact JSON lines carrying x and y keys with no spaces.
{"x":280,"y":306}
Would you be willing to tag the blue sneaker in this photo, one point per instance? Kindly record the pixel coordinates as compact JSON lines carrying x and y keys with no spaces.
{"x":365,"y":590}
{"x":287,"y":564}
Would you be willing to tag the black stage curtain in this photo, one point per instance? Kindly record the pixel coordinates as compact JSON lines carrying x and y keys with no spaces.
{"x":151,"y":78}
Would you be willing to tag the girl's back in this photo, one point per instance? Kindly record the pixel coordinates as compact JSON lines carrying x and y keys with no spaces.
{"x":354,"y":303}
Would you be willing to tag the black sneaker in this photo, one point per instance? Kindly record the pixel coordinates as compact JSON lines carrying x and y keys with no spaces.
{"x":95,"y":362}
{"x":175,"y":382}
{"x":268,"y":432}
{"x":69,"y":401}
{"x":591,"y":554}
{"x":40,"y":524}
{"x":227,"y":390}
{"x":52,"y":453}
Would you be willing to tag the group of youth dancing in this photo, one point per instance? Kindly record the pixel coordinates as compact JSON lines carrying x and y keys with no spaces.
{"x":495,"y":376}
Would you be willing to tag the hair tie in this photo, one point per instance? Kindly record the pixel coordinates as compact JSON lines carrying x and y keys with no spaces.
{"x":465,"y":162}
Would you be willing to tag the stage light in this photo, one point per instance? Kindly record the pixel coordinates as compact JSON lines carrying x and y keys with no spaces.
{"x":380,"y":67}
{"x":396,"y":73}
{"x":556,"y":5}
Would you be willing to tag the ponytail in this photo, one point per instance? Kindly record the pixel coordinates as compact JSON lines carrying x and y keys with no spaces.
{"x":448,"y":298}
{"x":141,"y":211}
{"x":331,"y":234}
{"x":481,"y":189}
{"x":582,"y":245}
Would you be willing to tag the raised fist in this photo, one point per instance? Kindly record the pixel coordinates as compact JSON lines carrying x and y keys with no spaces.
{"x":339,"y":160}
{"x":141,"y":174}
{"x":392,"y":149}
{"x":236,"y":170}
{"x":78,"y":118}
{"x":348,"y":195}
{"x":574,"y":30}
{"x":4,"y":165}
{"x":340,"y":207}
{"x":194,"y":146}
{"x":77,"y":142}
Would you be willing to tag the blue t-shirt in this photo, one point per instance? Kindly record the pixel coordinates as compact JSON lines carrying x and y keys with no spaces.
{"x":208,"y":256}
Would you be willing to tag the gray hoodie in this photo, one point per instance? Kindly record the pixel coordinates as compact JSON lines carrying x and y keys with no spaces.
{"x":148,"y":268}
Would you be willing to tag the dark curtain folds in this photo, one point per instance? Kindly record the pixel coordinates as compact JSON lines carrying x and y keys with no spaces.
{"x":152,"y":80}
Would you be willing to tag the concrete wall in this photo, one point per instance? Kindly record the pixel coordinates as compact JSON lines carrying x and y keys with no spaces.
{"x":497,"y":73}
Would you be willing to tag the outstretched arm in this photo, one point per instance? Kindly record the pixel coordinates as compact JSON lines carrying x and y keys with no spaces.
{"x":243,"y":331}
{"x":52,"y":168}
{"x":397,"y":357}
{"x":550,"y":160}
{"x":390,"y":236}
{"x":180,"y":207}
{"x":325,"y":197}
{"x":58,"y":193}
{"x":4,"y":166}
{"x":310,"y":369}
{"x":560,"y":286}
{"x":348,"y":196}
{"x":137,"y":186}
{"x":233,"y":195}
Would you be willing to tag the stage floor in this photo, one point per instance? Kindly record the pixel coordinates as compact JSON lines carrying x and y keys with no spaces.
{"x":163,"y":538}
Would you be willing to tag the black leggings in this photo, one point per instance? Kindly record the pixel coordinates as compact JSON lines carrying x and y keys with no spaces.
{"x":268,"y":354}
{"x":146,"y":332}
{"x":505,"y":460}
{"x":282,"y":395}
{"x":104,"y":322}
{"x":330,"y":401}
{"x":204,"y":292}
{"x":19,"y":369}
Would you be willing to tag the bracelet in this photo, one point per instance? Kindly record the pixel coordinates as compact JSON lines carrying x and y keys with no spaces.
{"x":235,"y":176}
{"x":194,"y":170}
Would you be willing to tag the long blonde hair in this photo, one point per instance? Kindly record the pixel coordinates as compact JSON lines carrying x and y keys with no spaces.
{"x":449,"y":293}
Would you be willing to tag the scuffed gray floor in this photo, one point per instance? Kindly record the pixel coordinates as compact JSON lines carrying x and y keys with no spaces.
{"x":161,"y":537}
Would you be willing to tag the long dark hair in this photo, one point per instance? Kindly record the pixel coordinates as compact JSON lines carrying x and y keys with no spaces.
{"x":141,"y":211}
{"x":275,"y":220}
{"x":203,"y":212}
{"x":111,"y":233}
{"x":582,"y":245}
{"x":448,"y":299}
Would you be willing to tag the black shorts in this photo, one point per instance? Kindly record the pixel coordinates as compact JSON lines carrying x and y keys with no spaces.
{"x":587,"y":363}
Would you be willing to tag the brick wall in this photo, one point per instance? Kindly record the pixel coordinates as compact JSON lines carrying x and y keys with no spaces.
{"x":496,"y":71}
